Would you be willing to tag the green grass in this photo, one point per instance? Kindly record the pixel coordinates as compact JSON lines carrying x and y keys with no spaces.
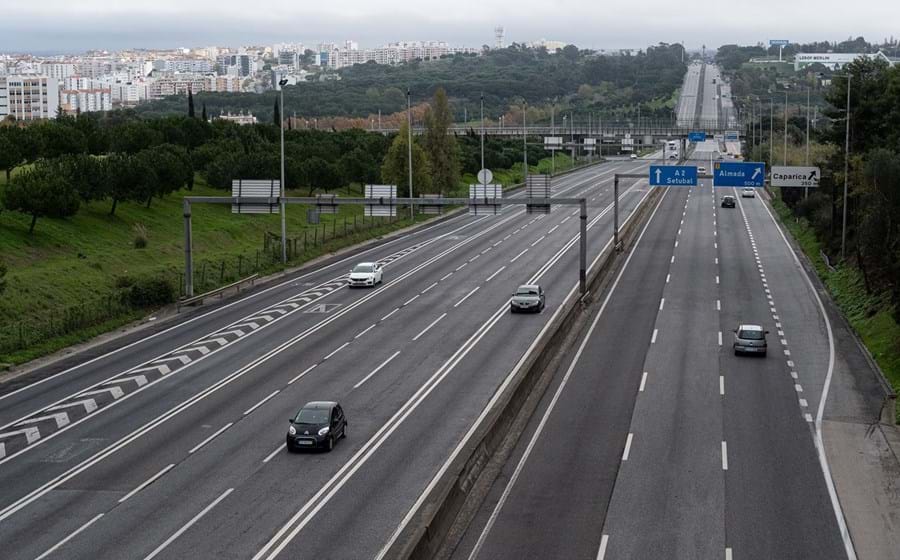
{"x":514,"y":176}
{"x":868,"y":314}
{"x":77,"y":261}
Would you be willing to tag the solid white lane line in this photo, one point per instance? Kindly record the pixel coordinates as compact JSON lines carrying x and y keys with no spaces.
{"x":724,"y":456}
{"x":538,"y":240}
{"x":71,"y":536}
{"x":653,"y":338}
{"x":444,"y":277}
{"x":429,"y":287}
{"x":627,"y":447}
{"x":260,"y":403}
{"x":551,"y":230}
{"x":188,"y":525}
{"x":389,"y":314}
{"x":514,"y":259}
{"x":271,"y":455}
{"x":426,"y":329}
{"x":372,"y":326}
{"x":662,"y":302}
{"x":210,"y":438}
{"x":302,"y":373}
{"x":722,"y":385}
{"x":728,"y":553}
{"x":148,"y":482}
{"x":376,"y":370}
{"x":336,"y":350}
{"x":604,"y":542}
{"x":499,"y":270}
{"x":410,"y":300}
{"x":643,"y":382}
{"x":457,"y":304}
{"x":720,"y":338}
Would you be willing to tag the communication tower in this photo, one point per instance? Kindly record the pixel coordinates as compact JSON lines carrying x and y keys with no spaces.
{"x":498,"y":35}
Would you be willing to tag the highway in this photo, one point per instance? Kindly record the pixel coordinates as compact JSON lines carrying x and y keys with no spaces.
{"x":172,"y":446}
{"x":654,"y":440}
{"x":687,"y":100}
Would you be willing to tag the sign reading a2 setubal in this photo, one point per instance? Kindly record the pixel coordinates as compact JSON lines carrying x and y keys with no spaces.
{"x":732,"y":174}
{"x":673,"y":176}
{"x":795,"y":176}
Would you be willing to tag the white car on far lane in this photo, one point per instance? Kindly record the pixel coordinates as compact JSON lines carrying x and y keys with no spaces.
{"x":366,"y":274}
{"x":748,"y":192}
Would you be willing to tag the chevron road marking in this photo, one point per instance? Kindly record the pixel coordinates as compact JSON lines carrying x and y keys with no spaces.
{"x":61,"y":419}
{"x":115,"y":392}
{"x":90,"y":405}
{"x":162,"y":369}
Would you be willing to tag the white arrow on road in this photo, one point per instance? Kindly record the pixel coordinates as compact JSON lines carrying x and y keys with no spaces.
{"x":31,"y":435}
{"x":61,"y":419}
{"x":756,"y":172}
{"x":141,"y":380}
{"x":90,"y":405}
{"x":115,"y":392}
{"x":183,"y":359}
{"x":162,"y":369}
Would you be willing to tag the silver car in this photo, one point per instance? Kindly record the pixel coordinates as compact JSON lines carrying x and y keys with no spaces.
{"x":748,"y":192}
{"x":528,"y":297}
{"x":750,"y":339}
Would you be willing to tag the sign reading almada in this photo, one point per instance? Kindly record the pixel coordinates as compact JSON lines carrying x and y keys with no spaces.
{"x":795,"y":176}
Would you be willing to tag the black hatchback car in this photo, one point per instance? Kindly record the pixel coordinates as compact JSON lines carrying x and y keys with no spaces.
{"x":727,"y":201}
{"x":318,"y":425}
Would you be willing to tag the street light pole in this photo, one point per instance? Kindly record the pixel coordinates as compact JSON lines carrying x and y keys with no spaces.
{"x":771,"y":130}
{"x":525,"y":140}
{"x":806,"y":161}
{"x":412,"y":214}
{"x":281,"y":83}
{"x":785,"y":127}
{"x":482,"y":136}
{"x":846,"y":173}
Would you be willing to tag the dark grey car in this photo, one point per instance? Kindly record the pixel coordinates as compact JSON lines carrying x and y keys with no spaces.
{"x":528,"y":297}
{"x":750,"y":339}
{"x":317,"y":426}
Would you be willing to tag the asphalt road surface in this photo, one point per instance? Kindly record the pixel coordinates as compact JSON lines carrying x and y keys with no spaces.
{"x":655,"y":440}
{"x":173,"y":447}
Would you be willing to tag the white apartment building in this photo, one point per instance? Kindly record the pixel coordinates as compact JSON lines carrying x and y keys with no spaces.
{"x":180,"y":84}
{"x":29,"y":98}
{"x":187,"y":65}
{"x":86,"y":100}
{"x":334,"y":57}
{"x":58,"y":70}
{"x":239,"y":119}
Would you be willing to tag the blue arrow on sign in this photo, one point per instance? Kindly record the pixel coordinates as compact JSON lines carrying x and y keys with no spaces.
{"x":697,"y":136}
{"x":673,"y":176}
{"x":734,"y":174}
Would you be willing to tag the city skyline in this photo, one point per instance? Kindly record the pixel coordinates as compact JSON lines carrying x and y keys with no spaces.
{"x":55,"y":26}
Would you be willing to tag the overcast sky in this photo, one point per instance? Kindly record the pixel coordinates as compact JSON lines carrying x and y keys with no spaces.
{"x":74,"y":26}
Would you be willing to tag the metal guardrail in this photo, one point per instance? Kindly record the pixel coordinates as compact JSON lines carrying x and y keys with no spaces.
{"x":219,"y":291}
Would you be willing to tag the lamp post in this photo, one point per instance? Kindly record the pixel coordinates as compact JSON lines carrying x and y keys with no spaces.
{"x":281,"y":83}
{"x":846,"y":173}
{"x":785,"y":128}
{"x":482,"y":135}
{"x":525,"y":140}
{"x":409,"y":150}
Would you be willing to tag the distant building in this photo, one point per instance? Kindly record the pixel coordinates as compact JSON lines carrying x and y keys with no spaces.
{"x":238,"y":119}
{"x":237,"y":64}
{"x":58,"y":70}
{"x":86,"y":100}
{"x":29,"y":98}
{"x":834,"y":61}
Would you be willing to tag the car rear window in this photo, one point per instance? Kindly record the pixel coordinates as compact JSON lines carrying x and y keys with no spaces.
{"x":751,"y":335}
{"x":526,"y":292}
{"x":363,"y":268}
{"x":312,"y":416}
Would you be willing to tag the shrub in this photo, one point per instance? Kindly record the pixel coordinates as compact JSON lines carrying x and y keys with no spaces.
{"x":150,"y":292}
{"x":140,"y":236}
{"x":2,"y":277}
{"x":124,"y":281}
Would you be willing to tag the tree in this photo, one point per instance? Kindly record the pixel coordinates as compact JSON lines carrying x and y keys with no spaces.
{"x":190,"y":103}
{"x":203,"y":115}
{"x":395,"y":169}
{"x":133,"y":136}
{"x":277,"y":114}
{"x":58,"y":139}
{"x":41,"y":192}
{"x":441,"y":148}
{"x":10,"y":149}
{"x":2,"y":277}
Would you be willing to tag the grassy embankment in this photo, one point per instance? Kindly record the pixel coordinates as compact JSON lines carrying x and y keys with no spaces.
{"x":868,"y":314}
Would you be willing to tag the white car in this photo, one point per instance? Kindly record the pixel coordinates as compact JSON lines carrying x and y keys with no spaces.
{"x":748,"y":192}
{"x":701,"y":169}
{"x":366,"y":274}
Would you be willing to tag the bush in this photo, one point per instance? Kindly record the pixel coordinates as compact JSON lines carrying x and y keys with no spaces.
{"x":2,"y":276}
{"x":140,"y":236}
{"x":124,"y":282}
{"x":151,"y":292}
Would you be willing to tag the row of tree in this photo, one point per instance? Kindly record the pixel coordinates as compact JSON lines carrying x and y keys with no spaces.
{"x":119,"y":156}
